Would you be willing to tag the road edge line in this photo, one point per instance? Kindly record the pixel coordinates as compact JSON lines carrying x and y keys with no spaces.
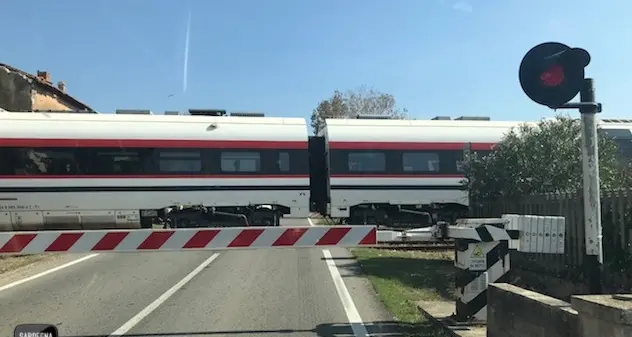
{"x":46,"y":272}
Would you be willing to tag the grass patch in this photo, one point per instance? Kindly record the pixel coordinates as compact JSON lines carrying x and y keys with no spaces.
{"x":402,"y":278}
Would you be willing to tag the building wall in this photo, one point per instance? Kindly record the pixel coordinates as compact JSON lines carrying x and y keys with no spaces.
{"x":15,"y":91}
{"x":20,"y":91}
{"x":45,"y":101}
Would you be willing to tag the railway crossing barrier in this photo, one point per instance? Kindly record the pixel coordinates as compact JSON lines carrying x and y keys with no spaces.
{"x":146,"y":240}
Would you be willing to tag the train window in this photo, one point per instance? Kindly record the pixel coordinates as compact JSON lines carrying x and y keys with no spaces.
{"x":8,"y":163}
{"x":189,"y":161}
{"x":298,"y":162}
{"x":625,"y":148}
{"x":460,"y":166}
{"x":284,"y":162}
{"x":367,"y":162}
{"x":118,"y":161}
{"x":42,"y":161}
{"x":420,"y":162}
{"x":240,"y":162}
{"x":616,"y":133}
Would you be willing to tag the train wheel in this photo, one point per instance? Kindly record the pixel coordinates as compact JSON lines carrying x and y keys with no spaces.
{"x":146,"y":222}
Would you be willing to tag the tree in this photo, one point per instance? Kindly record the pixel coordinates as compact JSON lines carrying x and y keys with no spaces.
{"x":334,"y":107}
{"x":362,"y":101}
{"x":541,"y":158}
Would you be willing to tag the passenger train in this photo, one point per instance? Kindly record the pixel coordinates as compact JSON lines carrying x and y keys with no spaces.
{"x":208,"y":168}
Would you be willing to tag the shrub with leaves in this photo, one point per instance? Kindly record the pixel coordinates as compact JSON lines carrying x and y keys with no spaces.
{"x":539,"y":158}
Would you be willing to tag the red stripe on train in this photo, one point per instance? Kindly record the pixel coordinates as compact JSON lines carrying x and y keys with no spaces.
{"x":153,"y":143}
{"x":229,"y":144}
{"x":407,"y":146}
{"x":158,"y":176}
{"x":267,"y":176}
{"x":397,"y":175}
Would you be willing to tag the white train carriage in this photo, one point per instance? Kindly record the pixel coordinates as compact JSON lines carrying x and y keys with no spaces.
{"x":390,"y":172}
{"x":111,"y":170}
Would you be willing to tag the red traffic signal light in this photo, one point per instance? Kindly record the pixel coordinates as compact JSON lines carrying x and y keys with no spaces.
{"x":552,"y":73}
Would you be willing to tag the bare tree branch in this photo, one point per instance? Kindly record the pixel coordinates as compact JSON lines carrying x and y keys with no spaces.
{"x":362,"y":101}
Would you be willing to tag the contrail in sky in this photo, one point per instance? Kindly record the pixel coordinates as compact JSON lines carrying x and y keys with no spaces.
{"x":186,"y":56}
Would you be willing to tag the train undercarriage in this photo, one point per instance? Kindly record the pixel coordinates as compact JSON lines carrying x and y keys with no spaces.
{"x":404,"y":216}
{"x":199,"y":216}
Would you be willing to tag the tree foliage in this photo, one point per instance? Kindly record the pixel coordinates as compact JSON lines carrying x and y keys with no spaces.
{"x":541,"y":158}
{"x":362,"y":101}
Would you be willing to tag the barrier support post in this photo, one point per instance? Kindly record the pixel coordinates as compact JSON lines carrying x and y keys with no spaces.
{"x":482,"y":250}
{"x":481,"y":258}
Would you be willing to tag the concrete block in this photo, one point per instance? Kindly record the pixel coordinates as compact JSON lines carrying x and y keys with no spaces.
{"x":513,"y":311}
{"x":604,"y":315}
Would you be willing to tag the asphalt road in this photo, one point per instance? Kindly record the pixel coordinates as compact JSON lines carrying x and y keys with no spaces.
{"x":288,"y":292}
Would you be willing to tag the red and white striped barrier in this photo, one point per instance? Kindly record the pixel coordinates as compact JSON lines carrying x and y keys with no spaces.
{"x":14,"y":243}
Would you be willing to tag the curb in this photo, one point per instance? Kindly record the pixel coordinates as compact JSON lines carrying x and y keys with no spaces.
{"x":436,"y":322}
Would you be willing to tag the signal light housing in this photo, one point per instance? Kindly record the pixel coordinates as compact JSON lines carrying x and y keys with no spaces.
{"x":552,"y":73}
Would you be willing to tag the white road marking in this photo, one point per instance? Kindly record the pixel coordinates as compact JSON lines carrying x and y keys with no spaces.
{"x":162,"y":299}
{"x":44,"y":273}
{"x":353,"y":316}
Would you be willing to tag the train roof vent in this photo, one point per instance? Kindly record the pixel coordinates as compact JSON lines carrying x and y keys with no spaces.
{"x":207,"y":112}
{"x":616,"y":120}
{"x":441,"y":118}
{"x":373,"y":117}
{"x":133,"y":112}
{"x":247,"y":114}
{"x":616,"y":133}
{"x":172,"y":113}
{"x":472,"y":118}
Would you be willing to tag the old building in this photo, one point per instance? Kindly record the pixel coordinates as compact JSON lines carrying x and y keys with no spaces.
{"x":21,"y":91}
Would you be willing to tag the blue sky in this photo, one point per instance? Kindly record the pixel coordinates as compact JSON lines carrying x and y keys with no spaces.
{"x":281,"y":57}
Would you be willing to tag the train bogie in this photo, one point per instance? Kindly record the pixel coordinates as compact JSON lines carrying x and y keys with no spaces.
{"x":403,"y":216}
{"x":201,"y":216}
